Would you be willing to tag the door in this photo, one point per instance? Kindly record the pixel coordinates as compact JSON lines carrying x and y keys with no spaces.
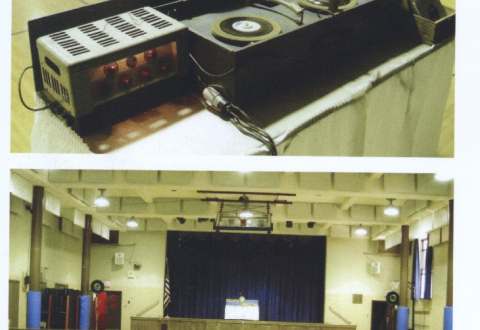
{"x":379,"y":315}
{"x":13,"y":302}
{"x":108,"y":310}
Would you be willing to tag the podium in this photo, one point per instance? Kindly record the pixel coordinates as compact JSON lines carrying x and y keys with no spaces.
{"x":238,"y":310}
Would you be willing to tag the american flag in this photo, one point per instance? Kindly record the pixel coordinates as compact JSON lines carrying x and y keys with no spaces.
{"x":166,"y":290}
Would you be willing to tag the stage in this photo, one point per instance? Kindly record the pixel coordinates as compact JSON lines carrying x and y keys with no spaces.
{"x":151,"y":323}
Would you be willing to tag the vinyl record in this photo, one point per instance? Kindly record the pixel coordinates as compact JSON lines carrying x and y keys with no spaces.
{"x":244,"y":28}
{"x":392,"y":298}
{"x":323,"y":4}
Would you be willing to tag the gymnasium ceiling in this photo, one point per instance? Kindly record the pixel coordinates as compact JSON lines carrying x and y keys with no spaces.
{"x":156,"y":198}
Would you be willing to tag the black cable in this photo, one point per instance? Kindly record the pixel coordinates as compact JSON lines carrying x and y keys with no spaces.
{"x":20,"y":92}
{"x":248,"y":128}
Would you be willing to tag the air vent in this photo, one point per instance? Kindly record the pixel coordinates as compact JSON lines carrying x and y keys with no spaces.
{"x":46,"y":77}
{"x":55,"y":85}
{"x":100,"y":37}
{"x":139,"y":12}
{"x":127,"y":28}
{"x":68,"y":43}
{"x":65,"y":94}
{"x":152,"y":19}
{"x":51,"y":81}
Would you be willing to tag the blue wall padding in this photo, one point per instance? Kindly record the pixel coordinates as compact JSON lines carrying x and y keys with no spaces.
{"x":84,"y":312}
{"x":448,"y":318}
{"x":34,"y":309}
{"x":402,"y":318}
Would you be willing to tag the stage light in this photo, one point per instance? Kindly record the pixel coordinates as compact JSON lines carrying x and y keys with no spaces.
{"x":310,"y":224}
{"x":101,"y":200}
{"x":361,"y":231}
{"x":181,"y":220}
{"x":289,"y":224}
{"x":132,"y":223}
{"x":391,"y":210}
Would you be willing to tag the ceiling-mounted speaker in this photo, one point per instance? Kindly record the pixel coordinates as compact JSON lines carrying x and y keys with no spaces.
{"x":393,"y":298}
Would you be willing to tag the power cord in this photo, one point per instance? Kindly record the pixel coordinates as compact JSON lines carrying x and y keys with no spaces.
{"x":20,"y":92}
{"x":238,"y":118}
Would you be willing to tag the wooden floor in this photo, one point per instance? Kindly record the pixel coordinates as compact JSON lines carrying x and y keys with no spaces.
{"x":22,"y":119}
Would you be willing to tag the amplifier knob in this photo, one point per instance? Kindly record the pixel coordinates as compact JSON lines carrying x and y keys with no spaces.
{"x":150,"y":55}
{"x":110,"y":69}
{"x":125,"y":81}
{"x":131,"y":61}
{"x":164,"y":66}
{"x":145,"y":74}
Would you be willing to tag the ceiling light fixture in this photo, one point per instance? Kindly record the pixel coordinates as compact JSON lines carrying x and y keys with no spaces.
{"x":391,"y":210}
{"x":244,"y":213}
{"x":361,"y":231}
{"x":132,"y":223}
{"x":101,"y":200}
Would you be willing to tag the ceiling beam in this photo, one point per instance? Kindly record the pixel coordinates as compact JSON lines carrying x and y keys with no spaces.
{"x":347,"y":204}
{"x":146,"y":196}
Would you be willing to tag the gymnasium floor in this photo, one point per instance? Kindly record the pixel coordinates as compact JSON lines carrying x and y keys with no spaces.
{"x":22,"y":119}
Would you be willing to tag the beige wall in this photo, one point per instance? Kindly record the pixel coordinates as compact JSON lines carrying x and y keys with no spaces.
{"x":61,"y":253}
{"x":146,"y":288}
{"x":348,"y":272}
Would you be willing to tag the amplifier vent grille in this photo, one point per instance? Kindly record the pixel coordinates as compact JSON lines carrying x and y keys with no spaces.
{"x":68,"y":43}
{"x":51,"y":81}
{"x":99,"y":36}
{"x":152,"y":19}
{"x":127,"y":28}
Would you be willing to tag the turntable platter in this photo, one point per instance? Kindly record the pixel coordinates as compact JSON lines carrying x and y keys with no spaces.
{"x":244,"y":28}
{"x":323,"y":4}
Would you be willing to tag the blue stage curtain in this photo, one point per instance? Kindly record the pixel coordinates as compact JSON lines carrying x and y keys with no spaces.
{"x":286,"y":274}
{"x":428,"y":273}
{"x":416,"y":281}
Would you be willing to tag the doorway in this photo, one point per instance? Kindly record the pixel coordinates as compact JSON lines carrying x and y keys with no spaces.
{"x":13,"y":302}
{"x":383,"y":317}
{"x":107,"y":311}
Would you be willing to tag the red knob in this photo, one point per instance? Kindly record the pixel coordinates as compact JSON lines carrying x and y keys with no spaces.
{"x":145,"y":74}
{"x":164,"y":66}
{"x":125,"y":81}
{"x":150,"y":55}
{"x":110,"y":69}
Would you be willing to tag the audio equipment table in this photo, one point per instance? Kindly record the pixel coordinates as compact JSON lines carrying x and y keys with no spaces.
{"x":389,"y":102}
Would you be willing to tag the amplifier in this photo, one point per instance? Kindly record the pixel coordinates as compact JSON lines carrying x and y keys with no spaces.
{"x":94,"y":70}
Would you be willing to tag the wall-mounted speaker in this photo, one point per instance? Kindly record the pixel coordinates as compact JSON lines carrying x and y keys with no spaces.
{"x":375,"y":268}
{"x":119,"y":258}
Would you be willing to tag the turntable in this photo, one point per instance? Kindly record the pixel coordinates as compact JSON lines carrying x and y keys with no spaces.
{"x":253,"y":48}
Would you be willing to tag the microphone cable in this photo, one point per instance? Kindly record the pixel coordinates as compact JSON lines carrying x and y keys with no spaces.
{"x":238,"y":118}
